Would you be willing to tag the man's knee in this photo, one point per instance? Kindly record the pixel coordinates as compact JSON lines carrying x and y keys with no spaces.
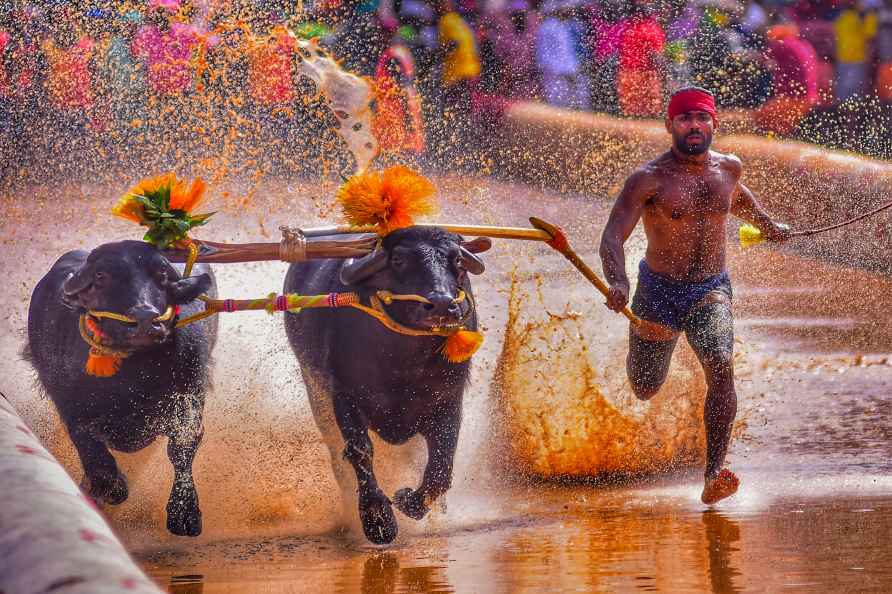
{"x":645,"y":390}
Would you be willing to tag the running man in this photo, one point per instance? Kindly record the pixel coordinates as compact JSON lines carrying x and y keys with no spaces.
{"x":685,"y":197}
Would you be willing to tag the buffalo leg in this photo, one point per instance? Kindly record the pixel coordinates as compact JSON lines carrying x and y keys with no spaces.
{"x":442,"y":441}
{"x":378,"y":521}
{"x":183,"y":513}
{"x":105,"y":482}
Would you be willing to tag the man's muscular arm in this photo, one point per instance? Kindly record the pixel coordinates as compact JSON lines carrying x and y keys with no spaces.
{"x":745,"y":206}
{"x":625,"y":215}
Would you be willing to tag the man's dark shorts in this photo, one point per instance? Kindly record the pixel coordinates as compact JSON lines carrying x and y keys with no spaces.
{"x":702,"y":310}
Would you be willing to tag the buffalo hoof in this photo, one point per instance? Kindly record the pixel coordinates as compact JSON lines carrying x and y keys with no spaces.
{"x":105,"y":488}
{"x":378,"y":521}
{"x":411,"y":503}
{"x":183,"y":515}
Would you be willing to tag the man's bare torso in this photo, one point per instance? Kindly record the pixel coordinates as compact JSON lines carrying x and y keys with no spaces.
{"x":686,"y":215}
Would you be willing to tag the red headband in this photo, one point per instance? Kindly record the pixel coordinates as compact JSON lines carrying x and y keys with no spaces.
{"x":692,"y":100}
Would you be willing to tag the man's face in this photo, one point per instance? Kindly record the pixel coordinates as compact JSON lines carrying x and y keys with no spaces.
{"x":691,"y":132}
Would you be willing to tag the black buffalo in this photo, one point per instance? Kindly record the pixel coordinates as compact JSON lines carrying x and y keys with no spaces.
{"x":159,"y":389}
{"x":394,"y":384}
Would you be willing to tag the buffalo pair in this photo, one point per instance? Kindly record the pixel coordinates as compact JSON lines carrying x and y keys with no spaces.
{"x":394,"y":384}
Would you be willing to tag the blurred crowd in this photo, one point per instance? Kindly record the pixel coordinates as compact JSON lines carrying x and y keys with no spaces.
{"x":112,"y":78}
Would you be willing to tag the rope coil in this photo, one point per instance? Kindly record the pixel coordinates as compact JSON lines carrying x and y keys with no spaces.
{"x":293,"y":247}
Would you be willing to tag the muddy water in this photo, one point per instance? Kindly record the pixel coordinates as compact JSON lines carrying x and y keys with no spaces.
{"x":812,"y":448}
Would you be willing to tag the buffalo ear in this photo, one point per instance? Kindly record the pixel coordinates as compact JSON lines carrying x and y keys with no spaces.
{"x":76,"y":283}
{"x":189,"y":288}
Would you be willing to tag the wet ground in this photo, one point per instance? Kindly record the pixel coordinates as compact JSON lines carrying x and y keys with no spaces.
{"x":812,"y":449}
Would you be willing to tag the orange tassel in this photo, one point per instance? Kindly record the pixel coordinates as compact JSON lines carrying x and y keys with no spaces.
{"x":102,"y":365}
{"x":461,"y":346}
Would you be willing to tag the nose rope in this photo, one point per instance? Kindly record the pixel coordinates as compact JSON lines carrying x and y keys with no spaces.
{"x":165,"y":317}
{"x":387,"y":297}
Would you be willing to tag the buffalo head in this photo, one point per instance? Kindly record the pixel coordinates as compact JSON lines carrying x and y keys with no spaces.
{"x":424,"y":261}
{"x":133,"y":279}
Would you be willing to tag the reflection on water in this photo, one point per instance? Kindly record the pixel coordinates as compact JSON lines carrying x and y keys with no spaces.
{"x":721,"y":535}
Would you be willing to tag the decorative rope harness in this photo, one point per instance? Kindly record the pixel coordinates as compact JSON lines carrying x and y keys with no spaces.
{"x":461,"y":343}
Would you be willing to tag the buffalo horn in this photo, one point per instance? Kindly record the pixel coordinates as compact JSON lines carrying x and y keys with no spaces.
{"x":355,"y":271}
{"x":77,"y":281}
{"x":476,"y":246}
{"x":472,"y":263}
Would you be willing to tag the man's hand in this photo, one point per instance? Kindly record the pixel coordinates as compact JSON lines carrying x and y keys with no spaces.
{"x":618,"y":296}
{"x":778,"y":232}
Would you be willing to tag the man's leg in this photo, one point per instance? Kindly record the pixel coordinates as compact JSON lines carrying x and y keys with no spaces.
{"x":710,"y":332}
{"x":648,"y":364}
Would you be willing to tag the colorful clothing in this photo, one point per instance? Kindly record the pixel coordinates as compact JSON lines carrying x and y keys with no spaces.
{"x":642,"y":39}
{"x":462,"y":63}
{"x":5,"y":83}
{"x":796,"y":73}
{"x":168,"y":57}
{"x":272,"y":68}
{"x":69,"y":82}
{"x":853,"y":35}
{"x":640,"y":92}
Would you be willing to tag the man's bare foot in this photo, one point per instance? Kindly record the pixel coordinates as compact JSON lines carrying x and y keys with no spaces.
{"x":719,"y":487}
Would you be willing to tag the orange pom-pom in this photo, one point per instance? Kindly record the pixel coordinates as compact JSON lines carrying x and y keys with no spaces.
{"x":186,"y":200}
{"x":388,"y":200}
{"x":461,"y":346}
{"x":102,"y":365}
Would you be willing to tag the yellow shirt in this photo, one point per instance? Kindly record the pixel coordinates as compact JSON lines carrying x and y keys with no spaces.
{"x":852,"y":36}
{"x":461,"y":62}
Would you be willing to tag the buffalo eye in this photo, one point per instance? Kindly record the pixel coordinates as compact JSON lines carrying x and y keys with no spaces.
{"x":397,"y":262}
{"x":100,"y":279}
{"x":161,"y":277}
{"x":459,"y":263}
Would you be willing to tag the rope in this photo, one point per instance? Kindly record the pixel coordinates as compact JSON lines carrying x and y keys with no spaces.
{"x":293,"y":247}
{"x":193,"y":257}
{"x":97,"y":347}
{"x":294,"y":303}
{"x":165,"y":317}
{"x":808,"y":232}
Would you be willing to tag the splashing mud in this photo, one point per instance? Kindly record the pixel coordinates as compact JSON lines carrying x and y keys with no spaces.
{"x":567,"y":409}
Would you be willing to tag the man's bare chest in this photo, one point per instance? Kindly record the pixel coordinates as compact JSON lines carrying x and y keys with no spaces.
{"x":684,"y":195}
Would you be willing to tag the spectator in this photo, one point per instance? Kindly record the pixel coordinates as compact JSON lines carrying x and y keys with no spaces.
{"x":557,"y":58}
{"x":607,"y":27}
{"x":513,"y":37}
{"x":460,"y":71}
{"x":167,"y":46}
{"x":640,"y":78}
{"x":123,"y":77}
{"x":884,"y":54}
{"x":854,"y":30}
{"x":794,"y":77}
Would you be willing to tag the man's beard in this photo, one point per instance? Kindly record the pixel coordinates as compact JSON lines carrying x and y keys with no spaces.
{"x":681,"y":144}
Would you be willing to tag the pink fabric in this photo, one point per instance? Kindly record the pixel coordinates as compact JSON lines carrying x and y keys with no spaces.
{"x":796,"y":74}
{"x":642,"y":38}
{"x":608,"y":38}
{"x":5,"y":86}
{"x":272,"y":72}
{"x":167,"y":56}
